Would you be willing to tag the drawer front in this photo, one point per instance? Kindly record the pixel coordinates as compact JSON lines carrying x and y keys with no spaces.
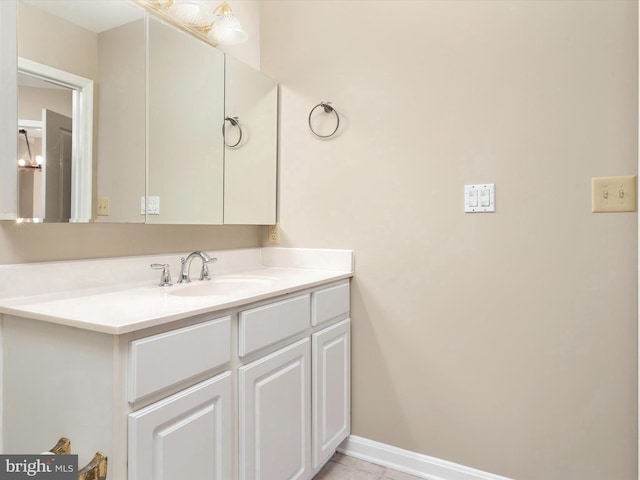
{"x":269,"y":324}
{"x":163,"y":360}
{"x":330,"y":303}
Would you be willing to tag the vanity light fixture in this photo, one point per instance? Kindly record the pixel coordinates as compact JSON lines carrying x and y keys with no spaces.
{"x":226,"y":28}
{"x":218,"y":25}
{"x":191,"y":12}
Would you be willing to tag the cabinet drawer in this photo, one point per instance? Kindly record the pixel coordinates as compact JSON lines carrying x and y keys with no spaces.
{"x":266,"y":325}
{"x":163,"y":360}
{"x":330,"y":303}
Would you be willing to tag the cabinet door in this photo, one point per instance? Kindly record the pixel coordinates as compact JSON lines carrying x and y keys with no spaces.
{"x":331,"y":385}
{"x":187,"y":435}
{"x":275,"y":415}
{"x":250,"y":160}
{"x":185,"y":111}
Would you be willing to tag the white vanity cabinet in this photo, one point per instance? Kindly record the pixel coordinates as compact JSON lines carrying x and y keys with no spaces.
{"x":331,"y":377}
{"x":274,"y":390}
{"x":274,"y":414}
{"x":187,"y":434}
{"x":258,"y":391}
{"x":294,"y":400}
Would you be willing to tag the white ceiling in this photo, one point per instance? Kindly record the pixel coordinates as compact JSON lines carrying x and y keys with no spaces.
{"x":94,"y":15}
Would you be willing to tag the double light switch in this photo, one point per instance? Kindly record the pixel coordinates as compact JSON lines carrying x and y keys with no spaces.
{"x":613,"y":194}
{"x":479,"y":198}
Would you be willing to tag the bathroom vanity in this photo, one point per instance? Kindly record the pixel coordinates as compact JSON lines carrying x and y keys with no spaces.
{"x":243,"y":377}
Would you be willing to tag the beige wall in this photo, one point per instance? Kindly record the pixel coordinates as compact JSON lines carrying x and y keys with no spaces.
{"x":248,"y":14}
{"x":47,"y":39}
{"x":24,"y":243}
{"x":505,"y":341}
{"x":32,"y":100}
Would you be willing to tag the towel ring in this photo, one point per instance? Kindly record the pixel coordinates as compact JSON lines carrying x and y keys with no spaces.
{"x":327,"y":109}
{"x":235,"y":123}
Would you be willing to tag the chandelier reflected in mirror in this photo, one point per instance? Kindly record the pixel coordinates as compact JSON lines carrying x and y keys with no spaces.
{"x":28,"y":160}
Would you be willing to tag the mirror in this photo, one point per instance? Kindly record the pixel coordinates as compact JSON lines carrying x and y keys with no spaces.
{"x":251,"y":135}
{"x":153,"y":147}
{"x":185,"y":111}
{"x":67,"y":49}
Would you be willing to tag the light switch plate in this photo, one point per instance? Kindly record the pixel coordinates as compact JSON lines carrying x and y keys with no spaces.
{"x":152,"y":202}
{"x":153,"y":205}
{"x":613,"y":194}
{"x":480,"y":198}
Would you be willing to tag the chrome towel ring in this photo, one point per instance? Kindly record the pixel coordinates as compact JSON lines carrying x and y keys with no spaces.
{"x":234,"y":123}
{"x":327,"y":109}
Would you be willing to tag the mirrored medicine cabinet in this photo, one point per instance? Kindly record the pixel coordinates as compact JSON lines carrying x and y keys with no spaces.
{"x":124,"y":118}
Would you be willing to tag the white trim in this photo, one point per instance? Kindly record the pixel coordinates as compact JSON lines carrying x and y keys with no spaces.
{"x":82,"y":126}
{"x":30,"y":124}
{"x":8,"y":111}
{"x":422,"y":466}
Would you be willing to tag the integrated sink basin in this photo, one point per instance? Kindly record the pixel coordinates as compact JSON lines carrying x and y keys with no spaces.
{"x":227,"y":285}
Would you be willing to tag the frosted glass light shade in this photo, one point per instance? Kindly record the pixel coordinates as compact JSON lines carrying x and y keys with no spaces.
{"x":191,"y":12}
{"x":227,"y":30}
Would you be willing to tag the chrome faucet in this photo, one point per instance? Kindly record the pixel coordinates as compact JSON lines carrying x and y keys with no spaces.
{"x":186,"y":264}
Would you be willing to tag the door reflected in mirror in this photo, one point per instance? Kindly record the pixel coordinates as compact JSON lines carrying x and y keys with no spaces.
{"x":46,"y":151}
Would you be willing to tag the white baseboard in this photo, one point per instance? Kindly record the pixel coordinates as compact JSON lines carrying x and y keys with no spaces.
{"x":409,"y":462}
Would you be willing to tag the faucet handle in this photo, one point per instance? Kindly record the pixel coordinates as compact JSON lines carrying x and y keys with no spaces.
{"x":165,"y":277}
{"x":204,"y":273}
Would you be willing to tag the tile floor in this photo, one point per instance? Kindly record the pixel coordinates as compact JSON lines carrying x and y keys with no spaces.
{"x":343,"y":467}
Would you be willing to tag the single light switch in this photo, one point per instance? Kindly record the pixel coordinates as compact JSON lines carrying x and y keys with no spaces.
{"x":479,"y":198}
{"x":473,"y":198}
{"x":485,"y":198}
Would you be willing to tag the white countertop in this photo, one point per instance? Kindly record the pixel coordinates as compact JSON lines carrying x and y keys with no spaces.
{"x":132,"y":304}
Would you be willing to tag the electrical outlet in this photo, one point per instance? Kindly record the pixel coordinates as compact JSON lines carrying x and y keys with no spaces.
{"x":103,"y":207}
{"x":274,"y":234}
{"x":613,"y":194}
